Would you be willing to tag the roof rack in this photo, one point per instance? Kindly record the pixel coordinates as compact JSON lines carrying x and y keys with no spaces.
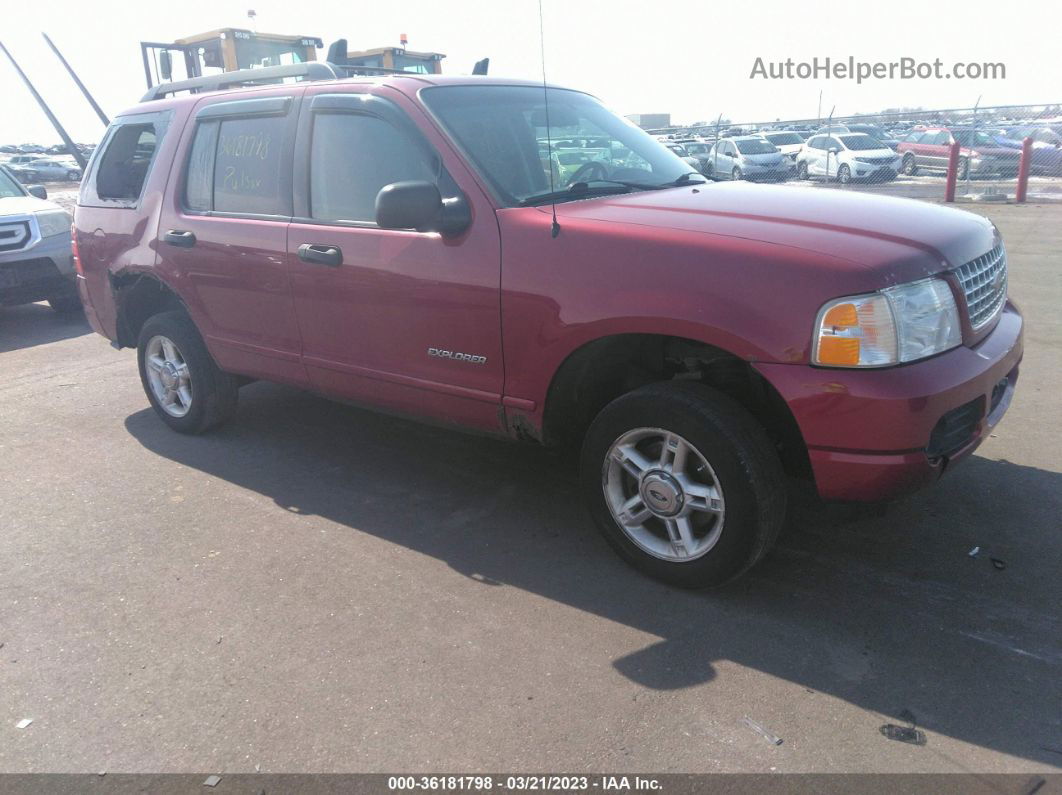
{"x":312,"y":70}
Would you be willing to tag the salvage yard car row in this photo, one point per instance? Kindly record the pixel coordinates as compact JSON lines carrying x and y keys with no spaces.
{"x":854,"y":152}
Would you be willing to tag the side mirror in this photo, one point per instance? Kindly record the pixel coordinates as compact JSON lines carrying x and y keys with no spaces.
{"x":834,"y":150}
{"x":417,"y":204}
{"x":165,"y":65}
{"x":37,"y":190}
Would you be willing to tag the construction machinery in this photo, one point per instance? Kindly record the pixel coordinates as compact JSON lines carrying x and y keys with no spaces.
{"x":235,"y":49}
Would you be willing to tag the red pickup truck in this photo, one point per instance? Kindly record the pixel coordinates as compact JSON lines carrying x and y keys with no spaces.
{"x":403,"y":243}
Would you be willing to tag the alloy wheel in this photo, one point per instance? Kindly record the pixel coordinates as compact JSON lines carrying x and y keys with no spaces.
{"x":168,"y":375}
{"x":663,"y":494}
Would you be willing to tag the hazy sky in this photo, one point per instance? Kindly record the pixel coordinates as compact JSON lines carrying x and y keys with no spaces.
{"x":692,"y":59}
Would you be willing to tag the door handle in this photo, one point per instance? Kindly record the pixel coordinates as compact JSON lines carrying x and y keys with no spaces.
{"x":321,"y":254}
{"x":179,"y":237}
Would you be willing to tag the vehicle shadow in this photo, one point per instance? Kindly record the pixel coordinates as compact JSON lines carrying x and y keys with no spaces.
{"x":884,"y":609}
{"x":36,"y":324}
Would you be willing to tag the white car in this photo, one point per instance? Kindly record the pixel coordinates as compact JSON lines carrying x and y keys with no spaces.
{"x":787,"y":142}
{"x":748,"y":157}
{"x":845,"y":157}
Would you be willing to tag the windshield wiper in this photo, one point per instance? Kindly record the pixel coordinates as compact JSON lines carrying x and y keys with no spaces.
{"x":684,"y":179}
{"x":579,"y":190}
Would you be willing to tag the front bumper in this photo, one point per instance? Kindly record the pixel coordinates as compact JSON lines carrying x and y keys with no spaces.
{"x":876,"y":434}
{"x":780,"y":171}
{"x":43,"y":270}
{"x":872,"y":171}
{"x":994,"y":166}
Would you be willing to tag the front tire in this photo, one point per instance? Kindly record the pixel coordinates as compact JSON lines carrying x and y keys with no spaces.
{"x":683,"y":483}
{"x":908,"y":167}
{"x":802,"y":171}
{"x":962,"y":168}
{"x":185,"y":387}
{"x":844,"y":175}
{"x":67,"y":302}
{"x":735,"y":174}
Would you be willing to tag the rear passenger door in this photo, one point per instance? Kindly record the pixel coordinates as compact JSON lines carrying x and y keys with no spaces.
{"x":223,"y":232}
{"x":405,"y":320}
{"x":933,"y":149}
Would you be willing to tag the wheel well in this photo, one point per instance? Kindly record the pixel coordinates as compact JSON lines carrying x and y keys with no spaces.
{"x":602,"y":370}
{"x":139,"y":297}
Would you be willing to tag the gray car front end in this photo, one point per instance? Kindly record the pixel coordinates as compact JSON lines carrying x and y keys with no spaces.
{"x":36,"y":262}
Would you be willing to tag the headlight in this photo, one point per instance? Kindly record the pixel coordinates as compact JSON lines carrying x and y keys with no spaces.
{"x":53,"y":222}
{"x":900,"y":324}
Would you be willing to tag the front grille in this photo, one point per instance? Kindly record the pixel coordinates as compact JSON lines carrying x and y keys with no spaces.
{"x":14,"y":235}
{"x":955,"y":429}
{"x":984,"y":282}
{"x":880,"y":161}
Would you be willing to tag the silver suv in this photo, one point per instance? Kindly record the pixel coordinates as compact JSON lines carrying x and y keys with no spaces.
{"x":36,"y":262}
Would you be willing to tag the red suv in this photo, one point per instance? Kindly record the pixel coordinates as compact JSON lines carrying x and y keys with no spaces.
{"x":404,"y":243}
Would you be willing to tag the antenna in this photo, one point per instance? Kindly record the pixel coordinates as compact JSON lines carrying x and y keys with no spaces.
{"x":555,"y":227}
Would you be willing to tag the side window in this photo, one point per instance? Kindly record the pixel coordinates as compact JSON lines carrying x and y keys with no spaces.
{"x":834,"y":144}
{"x":942,"y":138}
{"x":352,"y":157}
{"x":235,"y":166}
{"x":815,"y":142}
{"x":124,"y":167}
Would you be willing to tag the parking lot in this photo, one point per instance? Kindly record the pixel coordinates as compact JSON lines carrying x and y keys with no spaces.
{"x":318,"y":588}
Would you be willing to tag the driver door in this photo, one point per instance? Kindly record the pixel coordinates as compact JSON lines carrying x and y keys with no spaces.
{"x":404,"y":320}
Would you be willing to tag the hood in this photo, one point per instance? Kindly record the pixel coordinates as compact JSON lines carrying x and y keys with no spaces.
{"x":883,"y":152}
{"x":25,"y":205}
{"x":765,"y":159}
{"x":906,"y":239}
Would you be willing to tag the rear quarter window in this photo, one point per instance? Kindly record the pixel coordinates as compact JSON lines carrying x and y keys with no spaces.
{"x":120,"y":169}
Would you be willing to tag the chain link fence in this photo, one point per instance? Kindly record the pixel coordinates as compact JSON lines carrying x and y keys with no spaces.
{"x":903,"y":152}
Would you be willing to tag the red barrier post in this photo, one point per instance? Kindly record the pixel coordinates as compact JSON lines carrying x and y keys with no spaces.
{"x":1023,"y":169}
{"x":953,"y":172}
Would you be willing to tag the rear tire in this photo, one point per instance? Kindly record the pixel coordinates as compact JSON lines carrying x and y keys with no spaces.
{"x":185,"y":387}
{"x":715,"y":514}
{"x":962,"y":169}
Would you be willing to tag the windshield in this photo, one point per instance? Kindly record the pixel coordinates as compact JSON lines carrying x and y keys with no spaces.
{"x":8,"y":186}
{"x":503,"y":131}
{"x":861,"y":142}
{"x":755,"y":146}
{"x":697,"y":149}
{"x":978,"y":138}
{"x":869,"y":129}
{"x":784,"y":139}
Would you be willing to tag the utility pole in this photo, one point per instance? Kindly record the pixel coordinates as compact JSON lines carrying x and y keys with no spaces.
{"x":71,"y":147}
{"x":77,"y":80}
